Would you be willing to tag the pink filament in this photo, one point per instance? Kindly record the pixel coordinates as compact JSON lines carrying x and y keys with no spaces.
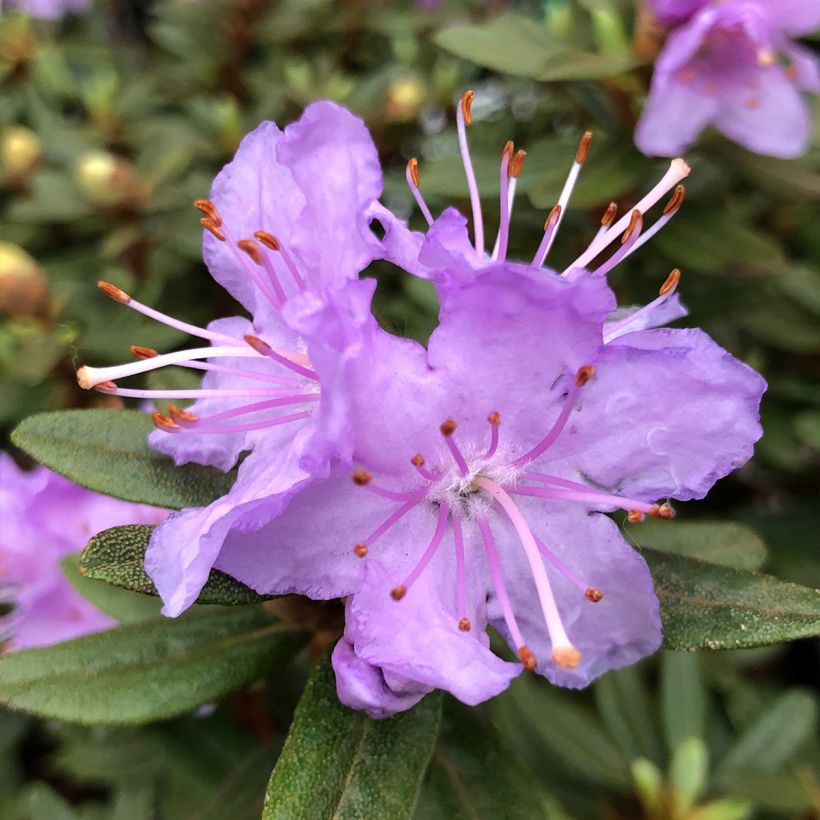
{"x":443,"y":515}
{"x":294,"y":271}
{"x":546,"y":242}
{"x":461,"y":592}
{"x":613,"y":330}
{"x":414,"y":189}
{"x":588,"y":497}
{"x":393,"y":518}
{"x":289,"y":363}
{"x":242,"y":428}
{"x":622,"y":252}
{"x":493,"y":441}
{"x":475,"y":199}
{"x":557,"y":429}
{"x":457,"y":456}
{"x":252,"y":408}
{"x":391,"y":494}
{"x":425,"y":473}
{"x":500,"y":251}
{"x":284,"y":381}
{"x":196,"y":393}
{"x":559,"y":564}
{"x":192,"y":330}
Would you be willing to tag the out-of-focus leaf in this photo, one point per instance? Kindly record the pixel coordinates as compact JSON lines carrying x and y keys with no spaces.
{"x":117,"y":556}
{"x":803,"y":285}
{"x":628,"y":713}
{"x":340,"y":763}
{"x":520,"y":46}
{"x":807,"y":427}
{"x":473,"y":774}
{"x":683,"y":697}
{"x":689,"y":772}
{"x":125,"y":606}
{"x":172,"y":378}
{"x":705,"y":606}
{"x":783,"y":326}
{"x":783,"y":792}
{"x":729,"y":809}
{"x":718,"y":542}
{"x":783,"y":177}
{"x":106,"y":451}
{"x":777,"y":734}
{"x":147,"y":671}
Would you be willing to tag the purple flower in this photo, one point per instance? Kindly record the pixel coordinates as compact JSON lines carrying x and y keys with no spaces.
{"x":44,"y":518}
{"x":733,"y":65}
{"x":50,"y":9}
{"x":285,"y":227}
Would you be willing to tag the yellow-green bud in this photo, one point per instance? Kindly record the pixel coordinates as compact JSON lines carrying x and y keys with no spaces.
{"x":109,"y":181}
{"x":23,"y":288}
{"x":19,"y":152}
{"x":405,"y":97}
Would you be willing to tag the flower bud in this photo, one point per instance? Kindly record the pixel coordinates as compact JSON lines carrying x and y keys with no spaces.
{"x":20,"y":153}
{"x":405,"y":97}
{"x":108,"y":181}
{"x":23,"y":288}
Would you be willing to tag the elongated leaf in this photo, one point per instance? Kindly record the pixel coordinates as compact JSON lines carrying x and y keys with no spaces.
{"x":106,"y":451}
{"x":520,"y":46}
{"x":705,"y":606}
{"x":147,"y":671}
{"x":683,"y":697}
{"x":342,"y":764}
{"x":117,"y":556}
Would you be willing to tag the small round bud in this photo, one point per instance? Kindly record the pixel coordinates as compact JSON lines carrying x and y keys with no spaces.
{"x":405,"y":97}
{"x":108,"y":181}
{"x":20,"y":153}
{"x":23,"y":287}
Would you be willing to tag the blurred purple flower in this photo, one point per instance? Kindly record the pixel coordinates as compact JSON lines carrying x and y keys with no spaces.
{"x":285,"y":231}
{"x":50,"y":9}
{"x":43,"y":518}
{"x":732,"y":64}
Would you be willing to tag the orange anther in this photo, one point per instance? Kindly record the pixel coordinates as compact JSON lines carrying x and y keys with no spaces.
{"x":676,"y":200}
{"x":670,"y":283}
{"x":417,"y":460}
{"x":635,"y":223}
{"x":494,"y":418}
{"x":552,"y":217}
{"x":113,"y":292}
{"x":397,"y":593}
{"x":413,"y":169}
{"x":448,"y":427}
{"x":268,"y":240}
{"x":583,"y":147}
{"x":467,"y":106}
{"x":635,"y":517}
{"x":517,"y":163}
{"x":527,"y":658}
{"x":594,"y":595}
{"x":209,"y":209}
{"x":252,"y":249}
{"x":143,"y":352}
{"x":164,"y":423}
{"x":361,"y":477}
{"x":209,"y":226}
{"x":360,"y":550}
{"x":609,"y":214}
{"x":464,"y":624}
{"x":584,"y":374}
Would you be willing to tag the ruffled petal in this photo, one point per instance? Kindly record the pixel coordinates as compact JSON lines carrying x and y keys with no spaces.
{"x":631,"y":319}
{"x":667,"y":414}
{"x":796,"y":17}
{"x":674,"y":12}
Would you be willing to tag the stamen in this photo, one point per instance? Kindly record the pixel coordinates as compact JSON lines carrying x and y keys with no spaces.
{"x":463,"y":119}
{"x":628,"y":244}
{"x":447,"y":429}
{"x":364,"y":479}
{"x":566,"y":193}
{"x":678,"y":170}
{"x":209,"y":209}
{"x":143,"y":352}
{"x":461,"y":593}
{"x":664,"y":511}
{"x":583,"y":375}
{"x":564,"y":654}
{"x":666,"y":291}
{"x":285,"y":382}
{"x":196,"y":393}
{"x":669,"y":210}
{"x":266,"y":350}
{"x":88,"y":377}
{"x":635,"y":517}
{"x":502,"y":239}
{"x":270,"y":241}
{"x":590,"y":593}
{"x":498,"y":583}
{"x":418,"y":462}
{"x":209,"y":226}
{"x":276,"y":296}
{"x":241,"y":428}
{"x":413,"y":182}
{"x":183,"y":417}
{"x":124,"y":298}
{"x":164,"y":423}
{"x":587,"y":496}
{"x":388,"y":523}
{"x":443,"y":514}
{"x":550,"y":227}
{"x":495,"y":419}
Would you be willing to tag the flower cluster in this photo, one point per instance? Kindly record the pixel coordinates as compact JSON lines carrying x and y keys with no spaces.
{"x":443,"y":489}
{"x":732,"y":64}
{"x":44,"y":518}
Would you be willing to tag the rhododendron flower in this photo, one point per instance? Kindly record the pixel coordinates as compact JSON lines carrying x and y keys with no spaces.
{"x":44,"y":518}
{"x":285,"y":226}
{"x":484,"y":465}
{"x":732,"y":64}
{"x":49,"y":9}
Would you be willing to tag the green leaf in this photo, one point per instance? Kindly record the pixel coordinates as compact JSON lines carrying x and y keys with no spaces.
{"x":775,"y":736}
{"x":117,"y":556}
{"x":517,"y":45}
{"x":340,"y":763}
{"x":717,"y":542}
{"x":683,"y":697}
{"x":689,"y":772}
{"x":147,"y":671}
{"x":106,"y":451}
{"x":705,"y":606}
{"x":125,"y":606}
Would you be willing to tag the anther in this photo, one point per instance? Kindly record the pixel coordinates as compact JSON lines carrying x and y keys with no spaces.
{"x":268,"y":240}
{"x":263,"y":348}
{"x":143,"y":352}
{"x":448,"y":427}
{"x":105,"y":387}
{"x":397,"y":593}
{"x":179,"y":415}
{"x":508,"y":150}
{"x":594,"y":595}
{"x":361,"y":477}
{"x":413,"y":170}
{"x":252,"y":249}
{"x":584,"y":374}
{"x":567,"y":657}
{"x":164,"y":423}
{"x":670,"y":283}
{"x":634,"y":223}
{"x":527,"y":658}
{"x":676,"y":200}
{"x":209,"y":209}
{"x":664,"y":511}
{"x":467,"y":106}
{"x":517,"y":163}
{"x":113,"y":292}
{"x":552,"y":217}
{"x":609,"y":214}
{"x":209,"y":226}
{"x":583,"y":147}
{"x":464,"y":625}
{"x":494,"y":418}
{"x":635,"y":517}
{"x":360,"y":550}
{"x":417,"y":460}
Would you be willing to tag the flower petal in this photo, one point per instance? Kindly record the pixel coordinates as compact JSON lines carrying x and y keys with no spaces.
{"x":796,"y":17}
